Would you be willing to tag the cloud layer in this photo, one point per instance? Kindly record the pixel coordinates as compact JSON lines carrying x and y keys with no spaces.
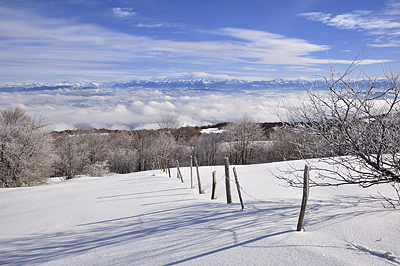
{"x":142,"y":108}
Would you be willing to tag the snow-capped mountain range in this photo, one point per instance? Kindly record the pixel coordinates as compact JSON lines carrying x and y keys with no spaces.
{"x":197,"y":84}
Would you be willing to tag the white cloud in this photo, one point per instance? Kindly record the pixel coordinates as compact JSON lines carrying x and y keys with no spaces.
{"x":67,"y":109}
{"x":317,"y":16}
{"x":143,"y":25}
{"x":357,"y":20}
{"x":120,"y":12}
{"x":35,"y":47}
{"x":384,"y":23}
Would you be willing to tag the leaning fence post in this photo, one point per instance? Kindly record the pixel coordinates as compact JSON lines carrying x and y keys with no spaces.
{"x":179,"y":174}
{"x":227,"y":182}
{"x":191,"y":171}
{"x":238,"y":187}
{"x":306,"y":188}
{"x":198,"y":175}
{"x":214,"y":184}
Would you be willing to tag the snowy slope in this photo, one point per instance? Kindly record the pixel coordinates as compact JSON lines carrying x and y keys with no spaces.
{"x":147,"y":218}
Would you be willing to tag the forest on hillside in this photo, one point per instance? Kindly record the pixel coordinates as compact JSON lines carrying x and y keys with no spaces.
{"x":30,"y":153}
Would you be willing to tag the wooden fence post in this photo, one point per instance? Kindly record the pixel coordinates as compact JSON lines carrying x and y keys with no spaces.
{"x":306,"y":188}
{"x":227,"y":182}
{"x":179,"y":174}
{"x":198,"y":175}
{"x":191,"y":171}
{"x":214,"y":184}
{"x":238,"y":187}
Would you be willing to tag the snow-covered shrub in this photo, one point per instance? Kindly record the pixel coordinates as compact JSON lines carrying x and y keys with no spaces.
{"x":26,"y":155}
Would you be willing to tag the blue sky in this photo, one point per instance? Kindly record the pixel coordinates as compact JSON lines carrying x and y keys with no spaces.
{"x":117,"y":40}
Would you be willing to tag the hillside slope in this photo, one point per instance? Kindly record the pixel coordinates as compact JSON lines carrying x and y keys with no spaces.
{"x":147,"y":218}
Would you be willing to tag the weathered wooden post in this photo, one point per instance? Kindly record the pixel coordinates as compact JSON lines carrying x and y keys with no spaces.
{"x":306,"y":188}
{"x":238,"y":187}
{"x":198,"y":175}
{"x":214,"y":184}
{"x":169,"y":170}
{"x":191,"y":171}
{"x":179,"y":174}
{"x":227,"y":182}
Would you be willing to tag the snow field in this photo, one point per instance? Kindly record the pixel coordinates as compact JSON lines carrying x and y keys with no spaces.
{"x":147,"y":218}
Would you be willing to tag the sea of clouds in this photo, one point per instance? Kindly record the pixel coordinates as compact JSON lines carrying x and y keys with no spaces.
{"x":138,"y":108}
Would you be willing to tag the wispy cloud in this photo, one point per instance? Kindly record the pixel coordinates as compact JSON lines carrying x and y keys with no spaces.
{"x":34,"y":46}
{"x":121,"y":12}
{"x":384,"y":25}
{"x":358,"y":20}
{"x":156,"y":25}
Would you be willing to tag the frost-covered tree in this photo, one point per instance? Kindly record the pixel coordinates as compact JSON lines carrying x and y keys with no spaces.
{"x":72,"y":154}
{"x":122,"y":153}
{"x":161,"y":147}
{"x":207,"y":149}
{"x":244,"y":138}
{"x":352,"y":124}
{"x":169,"y":122}
{"x":26,"y":155}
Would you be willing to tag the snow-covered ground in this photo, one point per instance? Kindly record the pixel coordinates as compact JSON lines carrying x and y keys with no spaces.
{"x":147,"y":218}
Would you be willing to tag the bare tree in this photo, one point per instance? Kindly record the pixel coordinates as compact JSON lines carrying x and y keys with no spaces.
{"x":72,"y":154}
{"x":169,"y":122}
{"x":25,"y":149}
{"x":353,"y":125}
{"x":207,"y":149}
{"x":284,"y":146}
{"x":122,"y":153}
{"x":244,"y":137}
{"x":144,"y":141}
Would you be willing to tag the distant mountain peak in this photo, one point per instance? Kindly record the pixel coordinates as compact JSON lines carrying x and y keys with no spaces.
{"x":189,"y":83}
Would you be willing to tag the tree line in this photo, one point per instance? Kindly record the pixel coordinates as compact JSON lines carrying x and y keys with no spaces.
{"x":30,"y":154}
